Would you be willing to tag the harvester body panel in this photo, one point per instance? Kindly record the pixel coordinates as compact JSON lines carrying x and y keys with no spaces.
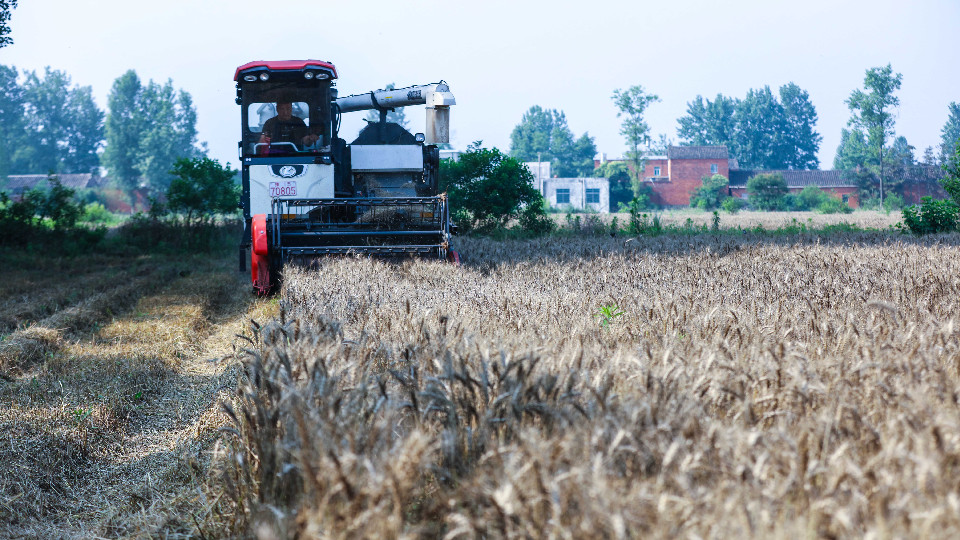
{"x":288,"y":179}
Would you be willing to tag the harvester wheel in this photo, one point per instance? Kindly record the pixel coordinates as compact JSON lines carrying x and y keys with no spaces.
{"x":260,"y":273}
{"x":260,"y":256}
{"x":453,"y":256}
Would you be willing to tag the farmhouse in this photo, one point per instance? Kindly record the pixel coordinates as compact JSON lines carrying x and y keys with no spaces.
{"x":829,"y":181}
{"x":112,"y":198}
{"x":589,"y":193}
{"x":18,"y":184}
{"x":675,"y":176}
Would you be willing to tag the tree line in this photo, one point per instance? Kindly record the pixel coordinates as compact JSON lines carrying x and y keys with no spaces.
{"x":763,"y":130}
{"x":54,"y":126}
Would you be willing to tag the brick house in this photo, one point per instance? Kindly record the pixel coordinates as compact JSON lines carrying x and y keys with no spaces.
{"x":831,"y":182}
{"x":675,"y":176}
{"x":922,"y":181}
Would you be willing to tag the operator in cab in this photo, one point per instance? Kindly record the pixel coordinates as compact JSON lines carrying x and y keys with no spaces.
{"x":286,"y":128}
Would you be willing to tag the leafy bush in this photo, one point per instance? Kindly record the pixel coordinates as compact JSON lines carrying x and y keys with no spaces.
{"x":97,"y":213}
{"x":936,"y":216}
{"x":833,"y":205}
{"x":767,"y":191}
{"x":711,"y":194}
{"x":201,"y":189}
{"x":488,"y":189}
{"x":931,"y":216}
{"x":39,"y":209}
{"x":732,"y":204}
{"x":893,"y":202}
{"x":811,"y":197}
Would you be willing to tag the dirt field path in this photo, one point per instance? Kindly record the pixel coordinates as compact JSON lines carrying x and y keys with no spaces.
{"x":111,"y":402}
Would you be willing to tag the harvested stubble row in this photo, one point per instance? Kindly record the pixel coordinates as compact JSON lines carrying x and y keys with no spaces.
{"x":753,"y":387}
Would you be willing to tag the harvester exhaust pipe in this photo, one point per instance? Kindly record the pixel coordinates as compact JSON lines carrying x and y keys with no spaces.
{"x":437,"y":97}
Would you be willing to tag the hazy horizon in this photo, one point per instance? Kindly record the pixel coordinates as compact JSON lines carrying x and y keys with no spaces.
{"x":501,"y":58}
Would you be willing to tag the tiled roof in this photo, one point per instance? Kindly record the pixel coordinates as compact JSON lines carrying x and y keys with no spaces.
{"x":698,"y":152}
{"x":795,"y":179}
{"x":18,"y":183}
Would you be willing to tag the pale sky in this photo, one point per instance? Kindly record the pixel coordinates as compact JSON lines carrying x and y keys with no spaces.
{"x":502,"y":57}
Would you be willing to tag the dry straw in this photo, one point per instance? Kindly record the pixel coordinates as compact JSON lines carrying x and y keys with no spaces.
{"x":757,"y":387}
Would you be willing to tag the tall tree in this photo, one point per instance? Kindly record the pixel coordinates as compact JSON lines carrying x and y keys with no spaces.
{"x":632,"y":103}
{"x":543,"y":135}
{"x":6,"y":6}
{"x":761,"y":131}
{"x":63,"y":127}
{"x":872,"y":111}
{"x":123,"y":126}
{"x":170,"y":133}
{"x":709,"y":122}
{"x":801,"y":142}
{"x":761,"y":124}
{"x":149,"y":127}
{"x":397,"y":116}
{"x":84,"y":133}
{"x":950,"y":134}
{"x":11,"y":118}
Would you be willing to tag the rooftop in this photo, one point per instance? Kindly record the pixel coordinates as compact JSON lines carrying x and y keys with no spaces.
{"x":794,"y":179}
{"x":698,"y":152}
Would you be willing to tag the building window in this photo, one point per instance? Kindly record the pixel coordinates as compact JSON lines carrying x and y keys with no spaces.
{"x":563,"y":196}
{"x":846,"y":199}
{"x":593,"y":196}
{"x":713,"y":168}
{"x":656,"y":171}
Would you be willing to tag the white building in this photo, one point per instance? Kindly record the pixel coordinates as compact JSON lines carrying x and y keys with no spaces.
{"x":590,"y":194}
{"x":577,"y":194}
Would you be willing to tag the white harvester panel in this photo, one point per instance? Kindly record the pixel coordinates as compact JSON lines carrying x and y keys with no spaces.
{"x":386,"y":158}
{"x":288,"y":181}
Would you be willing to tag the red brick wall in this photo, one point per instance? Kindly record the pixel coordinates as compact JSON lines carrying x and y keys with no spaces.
{"x":853,"y":198}
{"x":914,"y":191}
{"x":686,"y":175}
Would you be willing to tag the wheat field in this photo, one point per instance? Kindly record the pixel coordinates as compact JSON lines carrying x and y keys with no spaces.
{"x":707,"y":386}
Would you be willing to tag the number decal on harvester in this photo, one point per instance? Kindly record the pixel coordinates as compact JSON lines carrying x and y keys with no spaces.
{"x":286,"y":188}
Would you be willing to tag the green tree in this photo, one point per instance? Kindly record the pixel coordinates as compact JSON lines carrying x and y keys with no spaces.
{"x":801,"y":141}
{"x":543,"y":135}
{"x":937,"y":216}
{"x":170,"y":133}
{"x":761,"y":124}
{"x":766,"y":191}
{"x":124,"y":127}
{"x":202,"y":188}
{"x":761,"y":130}
{"x":488,"y":189}
{"x":618,"y":174}
{"x":6,"y":6}
{"x":397,"y":115}
{"x":711,"y":194}
{"x":709,"y":122}
{"x":950,"y":134}
{"x":63,"y":126}
{"x":872,"y":111}
{"x":631,"y":104}
{"x":148,"y":128}
{"x":11,"y":118}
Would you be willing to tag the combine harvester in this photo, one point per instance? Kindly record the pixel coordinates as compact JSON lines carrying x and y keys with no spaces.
{"x":307,"y":193}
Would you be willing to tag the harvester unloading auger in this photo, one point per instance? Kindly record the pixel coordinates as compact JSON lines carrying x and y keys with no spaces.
{"x":307,"y":193}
